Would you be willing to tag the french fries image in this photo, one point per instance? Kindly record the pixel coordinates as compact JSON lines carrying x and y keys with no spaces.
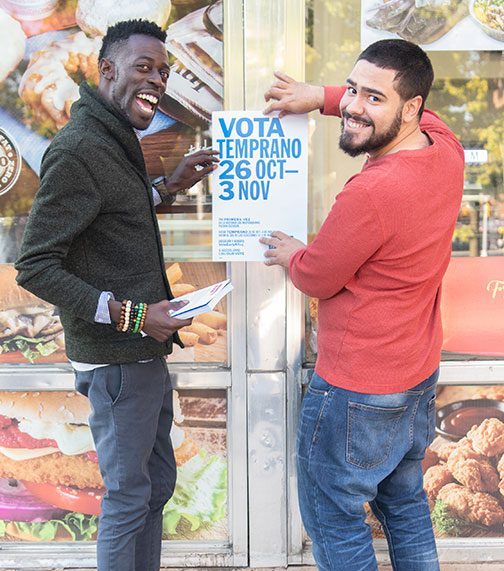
{"x":174,"y":273}
{"x":213,"y":319}
{"x":182,"y":289}
{"x":206,"y":327}
{"x":188,"y":338}
{"x":207,"y":335}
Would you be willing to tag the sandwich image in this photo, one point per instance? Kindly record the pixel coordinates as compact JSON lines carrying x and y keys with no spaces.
{"x":30,"y":329}
{"x":50,"y":483}
{"x":50,"y":487}
{"x":198,"y":507}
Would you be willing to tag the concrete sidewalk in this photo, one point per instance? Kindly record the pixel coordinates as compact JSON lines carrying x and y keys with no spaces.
{"x":446,"y":567}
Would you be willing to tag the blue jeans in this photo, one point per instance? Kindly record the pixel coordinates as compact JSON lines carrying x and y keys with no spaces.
{"x":355,"y":448}
{"x":131,"y":419}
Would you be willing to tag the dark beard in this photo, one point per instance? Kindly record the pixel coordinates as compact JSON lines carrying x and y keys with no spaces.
{"x":375,"y":142}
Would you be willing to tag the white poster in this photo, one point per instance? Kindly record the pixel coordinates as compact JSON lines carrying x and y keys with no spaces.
{"x":436,"y":25}
{"x":261,"y":182}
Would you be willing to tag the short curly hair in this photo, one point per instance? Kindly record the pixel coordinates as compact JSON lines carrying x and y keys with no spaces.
{"x":120,"y":33}
{"x":414,"y":73}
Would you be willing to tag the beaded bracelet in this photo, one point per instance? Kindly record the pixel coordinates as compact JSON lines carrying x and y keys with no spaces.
{"x":122,"y":318}
{"x":127,"y":316}
{"x":139,"y":310}
{"x":132,"y":317}
{"x":144,"y":315}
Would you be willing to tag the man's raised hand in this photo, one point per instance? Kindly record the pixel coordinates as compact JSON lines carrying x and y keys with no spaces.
{"x":291,"y":96}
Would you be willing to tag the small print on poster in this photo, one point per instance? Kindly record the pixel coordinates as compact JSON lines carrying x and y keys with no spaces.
{"x":260,"y":184}
{"x":443,"y":25}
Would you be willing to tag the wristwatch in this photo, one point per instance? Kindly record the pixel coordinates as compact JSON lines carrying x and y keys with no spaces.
{"x":159,"y":184}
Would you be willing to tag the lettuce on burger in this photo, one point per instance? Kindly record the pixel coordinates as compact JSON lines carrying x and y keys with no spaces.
{"x":30,"y":330}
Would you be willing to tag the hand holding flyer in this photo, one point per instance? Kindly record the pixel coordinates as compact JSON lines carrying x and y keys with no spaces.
{"x":201,"y":300}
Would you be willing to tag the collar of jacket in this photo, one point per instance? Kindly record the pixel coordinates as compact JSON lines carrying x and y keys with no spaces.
{"x":112,"y":121}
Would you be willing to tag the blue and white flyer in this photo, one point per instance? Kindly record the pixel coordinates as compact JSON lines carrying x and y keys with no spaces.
{"x":261,"y":182}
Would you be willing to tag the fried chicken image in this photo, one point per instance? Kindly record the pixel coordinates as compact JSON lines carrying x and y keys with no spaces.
{"x":494,"y":393}
{"x":430,"y":459}
{"x":472,"y":469}
{"x":57,"y":469}
{"x":473,"y":507}
{"x":435,"y":478}
{"x":500,"y":469}
{"x":488,"y":437}
{"x":447,"y":448}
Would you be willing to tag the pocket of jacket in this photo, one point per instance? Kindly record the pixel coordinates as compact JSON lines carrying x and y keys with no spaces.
{"x":371,"y":431}
{"x":147,"y":287}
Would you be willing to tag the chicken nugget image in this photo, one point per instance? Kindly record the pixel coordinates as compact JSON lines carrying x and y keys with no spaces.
{"x":436,"y":478}
{"x":488,"y":437}
{"x":473,"y":507}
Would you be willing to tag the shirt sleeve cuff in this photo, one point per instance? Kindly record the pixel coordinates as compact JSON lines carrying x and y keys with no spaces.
{"x":332,"y":99}
{"x":102,"y":314}
{"x":156,"y":197}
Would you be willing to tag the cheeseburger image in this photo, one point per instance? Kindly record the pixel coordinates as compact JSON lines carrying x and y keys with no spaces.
{"x":50,"y":483}
{"x":30,"y":330}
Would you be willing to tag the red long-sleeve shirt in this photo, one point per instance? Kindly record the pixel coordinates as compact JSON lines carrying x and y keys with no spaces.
{"x":377,"y":263}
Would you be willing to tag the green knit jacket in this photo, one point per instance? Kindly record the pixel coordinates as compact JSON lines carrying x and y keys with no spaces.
{"x":93,"y":228}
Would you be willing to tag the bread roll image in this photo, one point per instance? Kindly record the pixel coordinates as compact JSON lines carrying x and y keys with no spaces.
{"x":214,"y":319}
{"x":188,"y":338}
{"x":95,"y":16}
{"x":173,"y":273}
{"x":182,"y":289}
{"x":207,"y":335}
{"x":12,"y":50}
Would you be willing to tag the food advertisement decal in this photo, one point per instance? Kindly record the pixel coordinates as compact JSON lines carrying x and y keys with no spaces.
{"x":50,"y":48}
{"x":50,"y":483}
{"x":464,"y":466}
{"x":454,"y":25}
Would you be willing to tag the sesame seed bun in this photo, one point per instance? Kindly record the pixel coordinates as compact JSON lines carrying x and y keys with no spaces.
{"x":54,"y":406}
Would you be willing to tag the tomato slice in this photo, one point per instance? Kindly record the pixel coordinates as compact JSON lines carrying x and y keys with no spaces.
{"x":86,"y":501}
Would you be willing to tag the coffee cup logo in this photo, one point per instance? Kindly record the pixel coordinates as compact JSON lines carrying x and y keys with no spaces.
{"x":10,"y":162}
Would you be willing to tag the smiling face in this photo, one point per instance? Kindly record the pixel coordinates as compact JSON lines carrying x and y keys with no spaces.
{"x":134,"y":78}
{"x":371,"y":110}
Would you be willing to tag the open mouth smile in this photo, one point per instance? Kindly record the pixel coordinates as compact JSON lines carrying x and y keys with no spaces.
{"x":147,"y":103}
{"x":354,"y":125}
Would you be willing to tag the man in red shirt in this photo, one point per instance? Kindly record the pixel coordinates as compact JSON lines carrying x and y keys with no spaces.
{"x":376,"y":266}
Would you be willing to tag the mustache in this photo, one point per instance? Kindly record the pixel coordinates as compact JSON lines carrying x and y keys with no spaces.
{"x":347,"y":115}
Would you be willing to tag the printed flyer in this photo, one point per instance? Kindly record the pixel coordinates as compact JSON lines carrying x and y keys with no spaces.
{"x":260,"y":184}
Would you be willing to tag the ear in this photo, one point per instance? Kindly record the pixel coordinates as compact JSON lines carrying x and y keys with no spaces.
{"x":411,"y":108}
{"x":107,"y":69}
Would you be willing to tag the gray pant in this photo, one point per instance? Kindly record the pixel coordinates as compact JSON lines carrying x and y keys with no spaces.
{"x":131,"y":419}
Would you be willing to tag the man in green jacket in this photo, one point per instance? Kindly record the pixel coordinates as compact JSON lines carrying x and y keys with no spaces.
{"x":92,"y":248}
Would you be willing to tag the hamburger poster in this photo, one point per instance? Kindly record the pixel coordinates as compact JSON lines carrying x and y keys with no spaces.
{"x":51,"y":47}
{"x":50,"y":483}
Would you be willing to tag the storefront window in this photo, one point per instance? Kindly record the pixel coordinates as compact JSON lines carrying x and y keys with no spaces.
{"x":37,"y":89}
{"x":468,"y":94}
{"x":50,"y":483}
